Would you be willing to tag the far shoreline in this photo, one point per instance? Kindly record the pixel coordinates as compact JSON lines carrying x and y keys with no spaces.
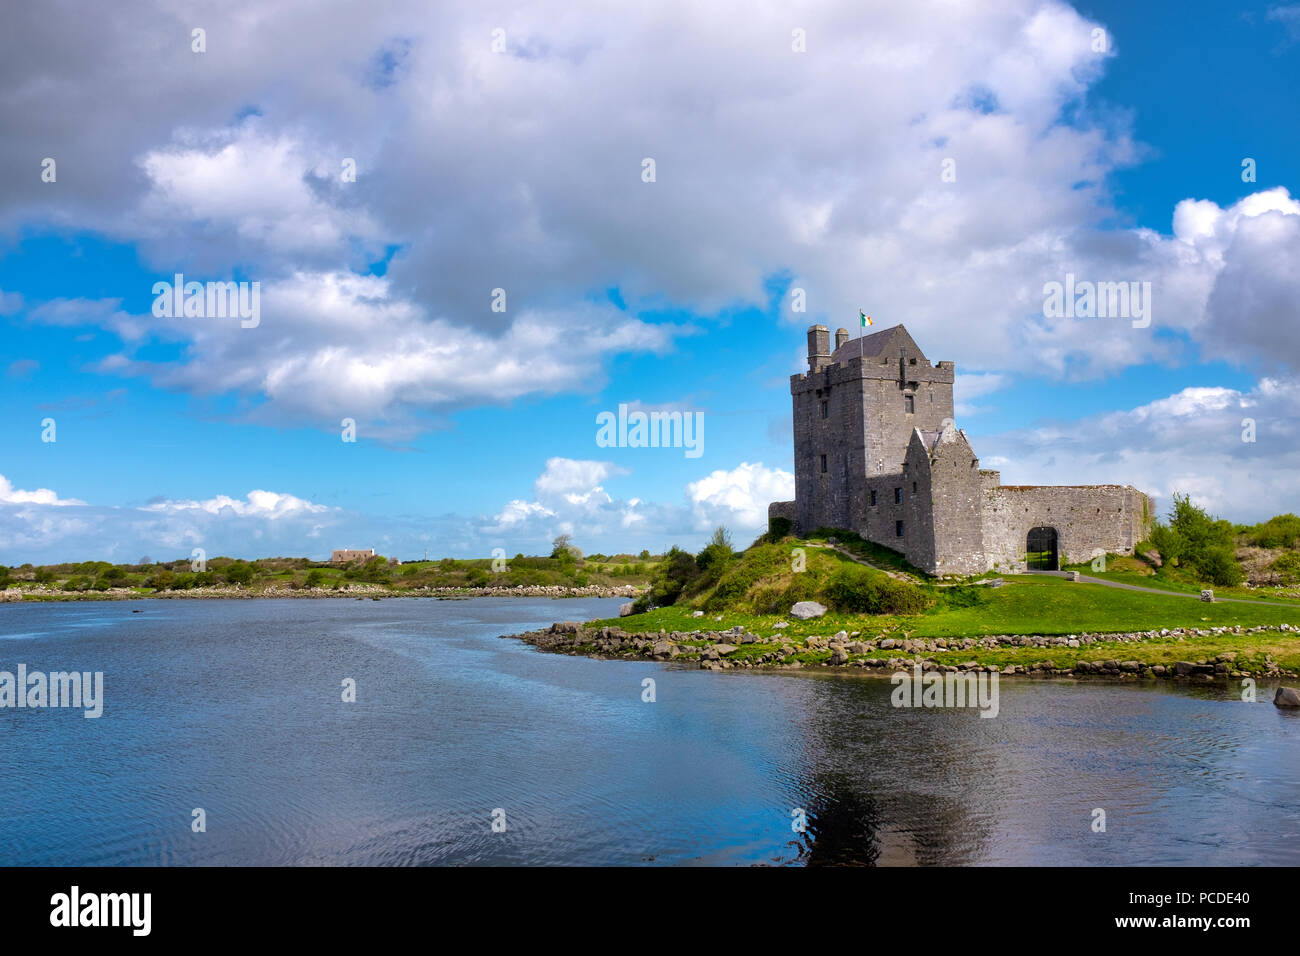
{"x":357,"y":592}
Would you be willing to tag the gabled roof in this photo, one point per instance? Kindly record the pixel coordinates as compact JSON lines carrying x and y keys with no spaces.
{"x":877,"y":344}
{"x":931,"y":440}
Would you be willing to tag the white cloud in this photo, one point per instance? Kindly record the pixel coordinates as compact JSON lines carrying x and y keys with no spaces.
{"x":1188,"y":442}
{"x":261,"y":504}
{"x":458,"y":170}
{"x":10,"y":495}
{"x":738,"y":498}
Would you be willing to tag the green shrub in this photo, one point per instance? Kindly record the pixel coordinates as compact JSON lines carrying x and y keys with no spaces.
{"x":1280,"y":531}
{"x":777,"y":529}
{"x":861,"y":590}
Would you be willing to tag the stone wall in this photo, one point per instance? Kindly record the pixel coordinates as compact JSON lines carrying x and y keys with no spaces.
{"x":851,"y":410}
{"x":1087,"y":519}
{"x":867,"y":426}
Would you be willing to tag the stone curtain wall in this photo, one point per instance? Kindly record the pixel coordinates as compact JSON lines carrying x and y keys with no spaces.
{"x":1087,"y":518}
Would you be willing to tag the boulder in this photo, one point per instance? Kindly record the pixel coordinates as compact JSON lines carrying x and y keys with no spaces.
{"x":662,"y":649}
{"x":725,"y":649}
{"x":806,"y":610}
{"x":839,"y":655}
{"x":1183,"y":668}
{"x":1287,"y":697}
{"x":780,"y":624}
{"x":1207,"y":595}
{"x":697,"y":614}
{"x":625,"y":609}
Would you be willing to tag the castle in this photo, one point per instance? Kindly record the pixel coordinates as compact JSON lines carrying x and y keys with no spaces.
{"x":876,"y":452}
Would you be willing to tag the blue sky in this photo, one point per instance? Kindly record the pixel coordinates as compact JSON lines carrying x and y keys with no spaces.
{"x":522,"y":169}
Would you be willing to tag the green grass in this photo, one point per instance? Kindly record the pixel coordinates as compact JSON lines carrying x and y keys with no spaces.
{"x":1024,"y":605}
{"x":1123,"y":570}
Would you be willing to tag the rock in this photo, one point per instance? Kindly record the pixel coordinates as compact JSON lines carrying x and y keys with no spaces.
{"x":697,"y":614}
{"x":1287,"y":697}
{"x":996,"y":583}
{"x":1207,"y":595}
{"x":625,"y":609}
{"x":839,"y":655}
{"x":1071,"y":575}
{"x":662,"y":649}
{"x":1184,"y":668}
{"x":780,"y":624}
{"x":725,"y":649}
{"x":840,"y":637}
{"x":805,"y":610}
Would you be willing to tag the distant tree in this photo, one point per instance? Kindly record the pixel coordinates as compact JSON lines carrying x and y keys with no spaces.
{"x":145,"y":559}
{"x":239,"y":573}
{"x":644,"y":555}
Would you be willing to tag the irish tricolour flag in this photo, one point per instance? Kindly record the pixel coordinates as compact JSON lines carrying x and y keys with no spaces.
{"x":866,"y":319}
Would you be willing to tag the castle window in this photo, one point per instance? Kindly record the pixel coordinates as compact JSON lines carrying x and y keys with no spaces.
{"x":823,"y":464}
{"x":898,"y":496}
{"x":909,"y":404}
{"x":911,"y":361}
{"x":873,"y":498}
{"x":914,"y":487}
{"x":826,"y":410}
{"x":898,"y":529}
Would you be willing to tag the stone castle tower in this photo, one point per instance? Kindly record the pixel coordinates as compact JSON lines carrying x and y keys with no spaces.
{"x":876,"y":451}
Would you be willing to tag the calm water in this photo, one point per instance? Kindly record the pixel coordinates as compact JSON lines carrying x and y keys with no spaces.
{"x":234,"y":706}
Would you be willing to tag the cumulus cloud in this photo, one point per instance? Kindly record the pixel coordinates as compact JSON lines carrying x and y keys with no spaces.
{"x":10,"y":495}
{"x":522,"y":171}
{"x":1192,"y":442}
{"x":336,"y":344}
{"x":738,"y":498}
{"x":40,"y":526}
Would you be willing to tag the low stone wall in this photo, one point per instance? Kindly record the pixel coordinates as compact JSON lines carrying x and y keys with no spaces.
{"x":714,"y":650}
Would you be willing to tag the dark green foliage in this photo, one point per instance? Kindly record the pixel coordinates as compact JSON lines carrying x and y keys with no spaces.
{"x":864,"y":591}
{"x":677,"y":571}
{"x":239,"y":573}
{"x":777,"y":529}
{"x":1194,"y":540}
{"x":1281,"y":531}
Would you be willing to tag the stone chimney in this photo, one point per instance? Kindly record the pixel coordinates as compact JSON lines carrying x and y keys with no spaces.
{"x":841,"y":338}
{"x":819,"y":347}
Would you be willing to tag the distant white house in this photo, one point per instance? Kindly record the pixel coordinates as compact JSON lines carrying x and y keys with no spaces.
{"x":347,"y":556}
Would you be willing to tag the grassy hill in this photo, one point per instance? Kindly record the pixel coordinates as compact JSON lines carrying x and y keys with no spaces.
{"x":756,"y":588}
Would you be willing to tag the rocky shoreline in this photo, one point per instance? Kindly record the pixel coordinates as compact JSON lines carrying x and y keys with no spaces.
{"x":722,"y":650}
{"x":357,"y":591}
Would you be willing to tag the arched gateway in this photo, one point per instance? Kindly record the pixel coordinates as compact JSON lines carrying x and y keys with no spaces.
{"x":1040,"y":549}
